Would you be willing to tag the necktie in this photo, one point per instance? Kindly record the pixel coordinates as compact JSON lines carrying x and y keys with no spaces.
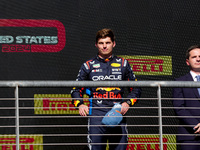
{"x":198,"y":79}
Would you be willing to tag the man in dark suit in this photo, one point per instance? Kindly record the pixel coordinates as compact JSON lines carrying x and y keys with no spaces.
{"x":184,"y":101}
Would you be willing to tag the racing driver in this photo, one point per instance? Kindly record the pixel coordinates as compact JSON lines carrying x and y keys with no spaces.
{"x":105,"y":66}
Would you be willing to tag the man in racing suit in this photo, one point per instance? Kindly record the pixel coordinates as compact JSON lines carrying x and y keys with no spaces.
{"x":105,"y":66}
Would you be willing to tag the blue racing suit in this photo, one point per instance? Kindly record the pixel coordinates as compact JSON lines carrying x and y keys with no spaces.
{"x":112,"y":69}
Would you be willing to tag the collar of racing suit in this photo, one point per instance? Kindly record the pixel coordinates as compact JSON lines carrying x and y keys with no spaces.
{"x":105,"y":59}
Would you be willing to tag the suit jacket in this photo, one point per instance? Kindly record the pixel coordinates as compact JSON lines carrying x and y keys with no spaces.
{"x":181,"y":111}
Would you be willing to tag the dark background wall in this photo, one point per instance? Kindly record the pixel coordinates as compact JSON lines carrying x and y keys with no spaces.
{"x":141,"y":27}
{"x":155,"y":27}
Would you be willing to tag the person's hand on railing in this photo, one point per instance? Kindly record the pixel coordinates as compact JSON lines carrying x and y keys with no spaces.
{"x":125,"y":108}
{"x":196,"y":128}
{"x":83,"y":110}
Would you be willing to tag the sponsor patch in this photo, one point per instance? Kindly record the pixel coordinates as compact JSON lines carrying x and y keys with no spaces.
{"x":97,"y":70}
{"x":111,"y":77}
{"x":99,"y":101}
{"x":96,"y":65}
{"x":116,"y":69}
{"x":116,"y":73}
{"x":111,"y":95}
{"x":92,"y":62}
{"x":119,"y":60}
{"x":115,"y":65}
{"x":108,"y":89}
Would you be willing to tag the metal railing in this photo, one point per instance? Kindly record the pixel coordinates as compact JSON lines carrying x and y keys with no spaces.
{"x":157,"y":84}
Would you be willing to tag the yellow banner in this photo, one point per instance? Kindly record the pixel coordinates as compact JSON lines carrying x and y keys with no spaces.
{"x":150,"y":65}
{"x":8,"y":142}
{"x":55,"y":104}
{"x":151,"y":142}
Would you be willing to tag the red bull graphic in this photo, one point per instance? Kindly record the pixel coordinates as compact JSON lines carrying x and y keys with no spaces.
{"x":76,"y":103}
{"x":55,"y":104}
{"x":108,"y":89}
{"x":32,"y":142}
{"x":150,"y":65}
{"x":106,"y":95}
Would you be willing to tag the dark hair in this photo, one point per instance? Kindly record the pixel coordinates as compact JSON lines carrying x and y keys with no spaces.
{"x":103,"y":33}
{"x":190,"y":49}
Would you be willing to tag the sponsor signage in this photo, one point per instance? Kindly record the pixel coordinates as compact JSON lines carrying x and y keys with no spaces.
{"x":27,"y":142}
{"x":150,"y":65}
{"x":55,"y":104}
{"x":31,"y":35}
{"x":151,"y":142}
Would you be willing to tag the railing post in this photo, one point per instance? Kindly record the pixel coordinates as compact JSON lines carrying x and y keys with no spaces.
{"x":160,"y":117}
{"x":17,"y":115}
